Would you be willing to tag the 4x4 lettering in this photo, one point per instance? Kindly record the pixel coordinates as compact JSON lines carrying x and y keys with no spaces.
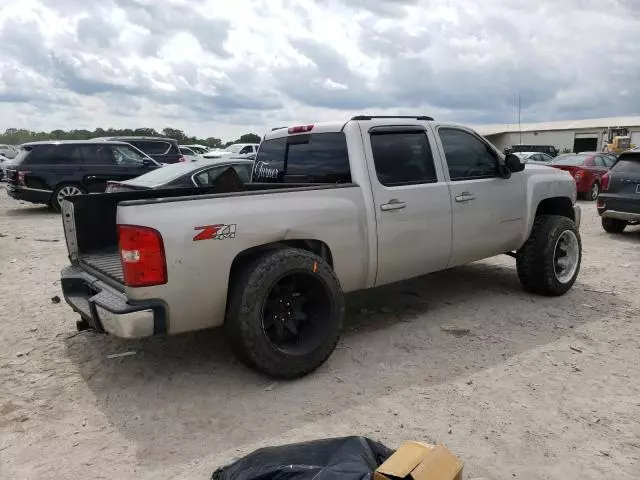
{"x":208,"y":232}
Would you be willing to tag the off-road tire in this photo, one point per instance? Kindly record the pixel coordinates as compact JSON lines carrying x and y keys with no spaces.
{"x":243,"y":323}
{"x":613,"y":225}
{"x":535,"y":260}
{"x":54,"y":204}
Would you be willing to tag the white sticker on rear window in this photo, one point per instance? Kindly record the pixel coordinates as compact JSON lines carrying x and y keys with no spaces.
{"x":262,"y":170}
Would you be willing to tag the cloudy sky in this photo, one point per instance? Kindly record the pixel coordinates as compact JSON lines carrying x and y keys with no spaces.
{"x":221,"y":68}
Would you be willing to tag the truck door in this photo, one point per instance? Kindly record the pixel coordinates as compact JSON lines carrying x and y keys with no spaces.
{"x":412,"y":204}
{"x":488,"y":210}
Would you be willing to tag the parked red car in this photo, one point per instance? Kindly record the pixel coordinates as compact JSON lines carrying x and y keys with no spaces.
{"x":587,"y":170}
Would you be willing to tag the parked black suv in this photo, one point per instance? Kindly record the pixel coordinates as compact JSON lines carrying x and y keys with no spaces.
{"x":162,"y":150}
{"x":46,"y":172}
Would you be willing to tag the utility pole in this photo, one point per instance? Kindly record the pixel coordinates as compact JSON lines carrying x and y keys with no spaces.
{"x":519,"y":124}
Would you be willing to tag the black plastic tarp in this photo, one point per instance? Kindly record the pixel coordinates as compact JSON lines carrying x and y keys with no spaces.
{"x":346,"y":458}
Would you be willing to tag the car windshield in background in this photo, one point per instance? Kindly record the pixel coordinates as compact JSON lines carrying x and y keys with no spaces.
{"x":233,"y":148}
{"x":125,"y":155}
{"x":570,"y":160}
{"x":165,"y":174}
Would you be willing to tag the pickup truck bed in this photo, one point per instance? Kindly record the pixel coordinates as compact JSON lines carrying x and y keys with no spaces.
{"x":105,"y":263}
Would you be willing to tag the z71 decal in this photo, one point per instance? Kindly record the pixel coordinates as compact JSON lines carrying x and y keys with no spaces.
{"x":215,"y":232}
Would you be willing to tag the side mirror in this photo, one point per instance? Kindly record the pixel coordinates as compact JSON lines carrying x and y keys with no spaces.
{"x":147,"y":162}
{"x":513,"y":163}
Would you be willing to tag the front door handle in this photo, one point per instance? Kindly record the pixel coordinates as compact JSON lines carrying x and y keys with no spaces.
{"x":465,"y":197}
{"x":394,"y":204}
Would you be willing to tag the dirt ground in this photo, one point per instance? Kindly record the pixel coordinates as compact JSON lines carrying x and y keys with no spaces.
{"x":538,"y":388}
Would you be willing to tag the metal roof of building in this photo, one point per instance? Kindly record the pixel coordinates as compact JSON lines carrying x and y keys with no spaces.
{"x":496,"y":129}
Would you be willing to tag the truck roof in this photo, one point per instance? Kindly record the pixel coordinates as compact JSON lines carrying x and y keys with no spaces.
{"x":335,"y":126}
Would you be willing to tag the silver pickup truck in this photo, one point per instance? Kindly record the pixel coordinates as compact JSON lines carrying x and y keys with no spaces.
{"x":333,"y":207}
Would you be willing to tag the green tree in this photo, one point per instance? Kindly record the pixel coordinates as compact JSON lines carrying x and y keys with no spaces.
{"x":17,"y":136}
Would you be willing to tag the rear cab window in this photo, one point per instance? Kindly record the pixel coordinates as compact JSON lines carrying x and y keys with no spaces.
{"x":304,"y":158}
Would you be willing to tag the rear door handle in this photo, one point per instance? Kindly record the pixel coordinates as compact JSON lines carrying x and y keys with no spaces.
{"x":394,"y":204}
{"x":465,"y":197}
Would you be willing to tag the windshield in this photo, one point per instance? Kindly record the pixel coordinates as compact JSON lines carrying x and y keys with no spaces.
{"x":570,"y":160}
{"x":234,"y":148}
{"x":163,"y":175}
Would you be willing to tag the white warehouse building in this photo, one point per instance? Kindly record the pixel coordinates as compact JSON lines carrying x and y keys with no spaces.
{"x":571,"y":135}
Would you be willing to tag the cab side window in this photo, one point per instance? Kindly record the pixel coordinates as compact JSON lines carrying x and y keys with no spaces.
{"x":467,"y":156}
{"x":402,"y":158}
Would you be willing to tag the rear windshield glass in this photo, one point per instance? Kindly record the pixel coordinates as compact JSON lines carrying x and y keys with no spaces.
{"x":22,"y":153}
{"x":308,"y":158}
{"x":168,"y":173}
{"x":569,"y":160}
{"x":628,"y":164}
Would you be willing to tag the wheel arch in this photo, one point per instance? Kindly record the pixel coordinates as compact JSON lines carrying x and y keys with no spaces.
{"x":556,"y":206}
{"x":246,"y":257}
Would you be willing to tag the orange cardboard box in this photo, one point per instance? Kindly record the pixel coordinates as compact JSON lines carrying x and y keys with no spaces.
{"x":420,"y":461}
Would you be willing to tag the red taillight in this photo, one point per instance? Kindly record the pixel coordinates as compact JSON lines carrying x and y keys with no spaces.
{"x":21,"y":175}
{"x":604,"y":182}
{"x":142,"y":256}
{"x":111,"y":187}
{"x":300,"y":129}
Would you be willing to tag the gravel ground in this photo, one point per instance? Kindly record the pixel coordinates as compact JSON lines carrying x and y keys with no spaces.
{"x":525,"y":387}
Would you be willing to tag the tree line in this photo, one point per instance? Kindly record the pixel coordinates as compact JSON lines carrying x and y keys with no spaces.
{"x":17,"y":136}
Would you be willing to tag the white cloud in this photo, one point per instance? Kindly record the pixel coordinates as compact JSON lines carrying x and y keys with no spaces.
{"x":223,"y":68}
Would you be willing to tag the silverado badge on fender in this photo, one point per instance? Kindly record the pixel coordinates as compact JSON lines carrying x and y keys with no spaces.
{"x":215,"y":232}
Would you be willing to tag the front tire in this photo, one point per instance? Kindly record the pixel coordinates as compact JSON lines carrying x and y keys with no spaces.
{"x":613,"y":225}
{"x":285,"y":313}
{"x":549,"y":262}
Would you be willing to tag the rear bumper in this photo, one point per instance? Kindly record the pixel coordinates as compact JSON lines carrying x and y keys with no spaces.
{"x":32,"y":195}
{"x":108,"y":310}
{"x":626,"y":216}
{"x":619,"y":206}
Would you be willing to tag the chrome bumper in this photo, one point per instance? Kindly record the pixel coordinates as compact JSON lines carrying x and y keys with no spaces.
{"x":137,"y":324}
{"x":108,"y":310}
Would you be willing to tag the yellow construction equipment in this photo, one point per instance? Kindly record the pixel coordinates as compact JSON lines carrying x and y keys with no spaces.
{"x":618,"y":141}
